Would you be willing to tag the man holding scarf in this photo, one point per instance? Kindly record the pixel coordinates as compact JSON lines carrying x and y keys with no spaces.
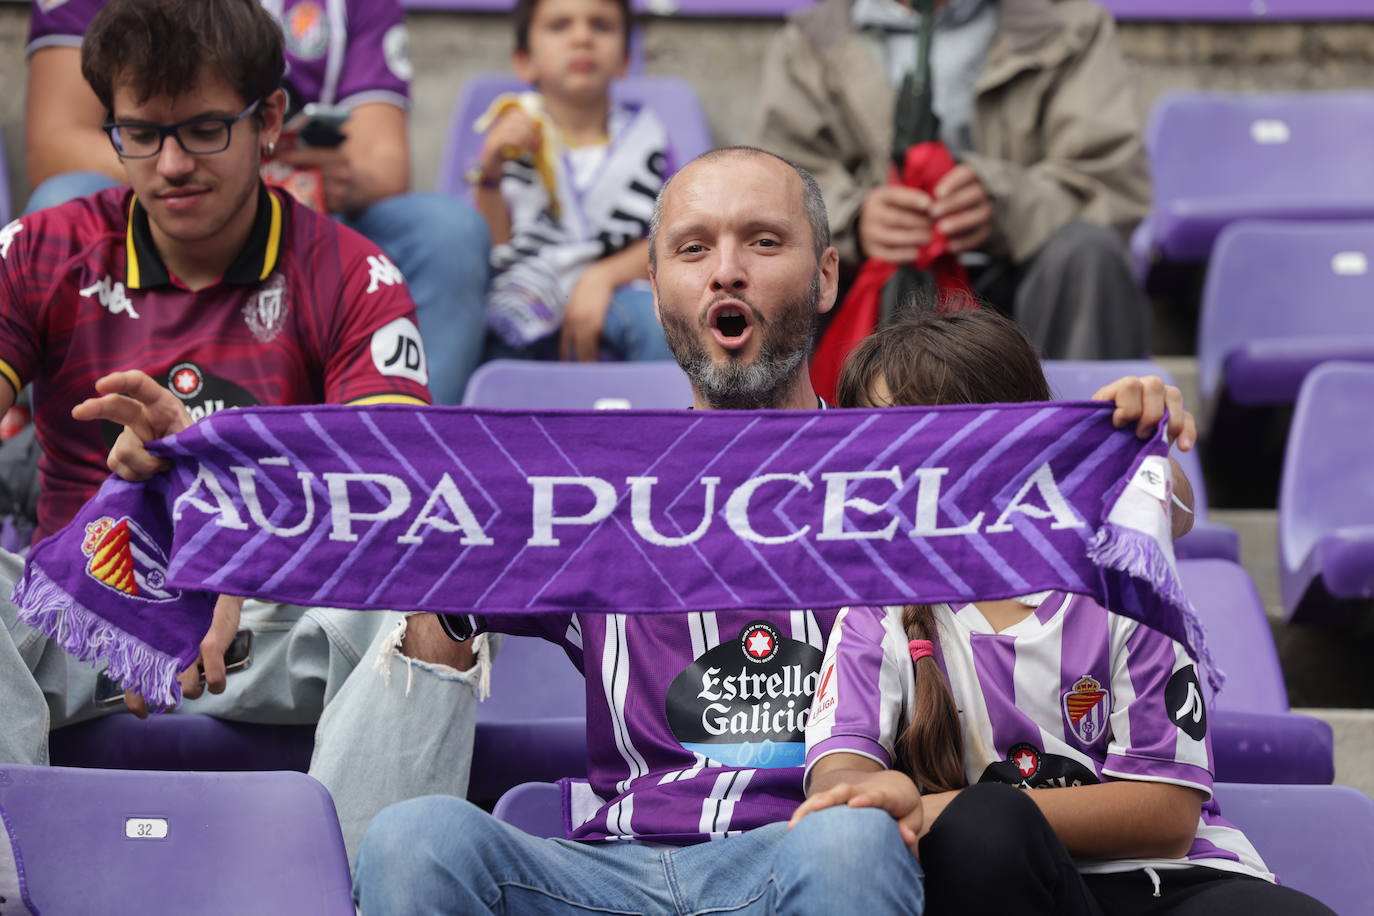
{"x":1034,"y":101}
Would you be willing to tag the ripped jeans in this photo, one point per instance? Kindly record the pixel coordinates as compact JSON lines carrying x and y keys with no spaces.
{"x":390,"y":728}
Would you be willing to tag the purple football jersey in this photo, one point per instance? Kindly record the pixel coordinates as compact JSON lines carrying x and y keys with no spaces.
{"x":338,"y":52}
{"x":1071,"y":695}
{"x":695,"y":722}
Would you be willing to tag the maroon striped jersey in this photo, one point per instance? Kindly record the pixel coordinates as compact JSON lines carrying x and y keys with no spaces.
{"x":309,"y":312}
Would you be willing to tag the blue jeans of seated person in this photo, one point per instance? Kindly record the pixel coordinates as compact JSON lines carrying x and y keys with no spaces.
{"x":445,"y":855}
{"x":631,"y":332}
{"x":439,"y":244}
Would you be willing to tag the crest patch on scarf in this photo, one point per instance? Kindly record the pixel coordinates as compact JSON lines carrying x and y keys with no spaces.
{"x":124,"y":559}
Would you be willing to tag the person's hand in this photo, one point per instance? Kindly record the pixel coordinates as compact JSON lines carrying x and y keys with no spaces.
{"x":514,"y":134}
{"x":962,"y":210}
{"x":1142,"y":401}
{"x":890,"y":790}
{"x":145,"y":409}
{"x":210,"y":662}
{"x":893,"y":222}
{"x":585,"y":316}
{"x":336,"y":174}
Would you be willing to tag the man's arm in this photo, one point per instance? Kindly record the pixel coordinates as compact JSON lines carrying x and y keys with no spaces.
{"x":1094,"y":166}
{"x":62,"y":119}
{"x":372,"y":164}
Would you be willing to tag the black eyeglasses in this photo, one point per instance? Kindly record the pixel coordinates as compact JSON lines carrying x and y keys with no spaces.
{"x":198,"y":136}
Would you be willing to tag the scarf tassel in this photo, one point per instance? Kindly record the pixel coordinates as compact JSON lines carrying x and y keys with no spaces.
{"x":1138,"y":555}
{"x":46,"y":607}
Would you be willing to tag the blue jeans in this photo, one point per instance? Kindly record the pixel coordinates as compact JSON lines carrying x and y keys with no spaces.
{"x":445,"y":855}
{"x":68,"y":186}
{"x":440,"y":245}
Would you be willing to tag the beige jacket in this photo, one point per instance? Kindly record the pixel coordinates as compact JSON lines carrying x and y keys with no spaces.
{"x":1055,"y":127}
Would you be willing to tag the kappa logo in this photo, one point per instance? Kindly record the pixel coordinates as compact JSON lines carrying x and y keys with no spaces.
{"x":1183,"y":701}
{"x":7,"y":237}
{"x":759,"y":642}
{"x":265,"y":313}
{"x":110,"y":293}
{"x":381,"y":272}
{"x":125,"y":560}
{"x":1087,"y":706}
{"x":398,"y":351}
{"x":307,"y":30}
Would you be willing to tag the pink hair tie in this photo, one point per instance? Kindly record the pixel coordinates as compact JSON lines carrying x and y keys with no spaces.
{"x":920,"y":648}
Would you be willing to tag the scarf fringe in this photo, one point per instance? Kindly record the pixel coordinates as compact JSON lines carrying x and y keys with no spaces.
{"x":1138,"y":555}
{"x":48,"y":608}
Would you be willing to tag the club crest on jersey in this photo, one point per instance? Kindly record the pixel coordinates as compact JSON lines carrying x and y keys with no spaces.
{"x":110,"y":293}
{"x":265,"y":313}
{"x":745,"y":702}
{"x":1086,"y":708}
{"x":124,"y":559}
{"x":307,"y":31}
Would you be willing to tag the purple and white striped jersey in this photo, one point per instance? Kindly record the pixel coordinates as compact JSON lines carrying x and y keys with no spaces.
{"x":695,"y":722}
{"x":1071,"y":695}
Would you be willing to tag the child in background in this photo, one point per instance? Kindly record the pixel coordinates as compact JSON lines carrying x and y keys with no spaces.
{"x":566,"y":184}
{"x":940,"y":714}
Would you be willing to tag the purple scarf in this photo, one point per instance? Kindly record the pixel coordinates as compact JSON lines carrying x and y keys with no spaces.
{"x":492,"y":512}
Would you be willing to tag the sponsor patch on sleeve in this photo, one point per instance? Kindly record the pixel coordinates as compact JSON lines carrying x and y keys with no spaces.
{"x":398,"y":351}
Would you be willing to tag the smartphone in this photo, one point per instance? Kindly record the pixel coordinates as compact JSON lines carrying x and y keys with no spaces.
{"x":237,"y":657}
{"x":319,"y":125}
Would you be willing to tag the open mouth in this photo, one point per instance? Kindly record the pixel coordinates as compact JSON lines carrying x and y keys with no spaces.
{"x":730,"y":324}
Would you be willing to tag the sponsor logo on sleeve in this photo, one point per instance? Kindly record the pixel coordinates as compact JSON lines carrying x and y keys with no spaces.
{"x":124,"y":559}
{"x":7,"y":237}
{"x":827,"y":695}
{"x":398,"y":351}
{"x":307,"y":30}
{"x":1086,"y":708}
{"x":746,"y":702}
{"x":396,"y":49}
{"x":1183,"y":700}
{"x":48,"y":6}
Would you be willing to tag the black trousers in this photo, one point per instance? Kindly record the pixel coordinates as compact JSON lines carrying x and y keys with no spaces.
{"x":992,"y":851}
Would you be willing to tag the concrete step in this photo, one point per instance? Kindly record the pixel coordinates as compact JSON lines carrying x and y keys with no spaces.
{"x":1354,"y":733}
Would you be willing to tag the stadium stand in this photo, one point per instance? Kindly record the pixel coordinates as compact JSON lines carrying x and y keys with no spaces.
{"x":515,"y":383}
{"x":181,"y":742}
{"x":1075,"y":379}
{"x":118,"y":842}
{"x":1222,"y":10}
{"x":1282,"y":297}
{"x":1326,"y":499}
{"x":1217,"y":158}
{"x":673,"y":100}
{"x":534,"y":807}
{"x":1317,"y":839}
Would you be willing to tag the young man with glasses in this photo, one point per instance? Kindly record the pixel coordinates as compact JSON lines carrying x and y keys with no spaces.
{"x":229,"y":295}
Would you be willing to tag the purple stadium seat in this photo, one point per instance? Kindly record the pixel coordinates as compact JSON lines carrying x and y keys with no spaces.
{"x":5,"y":202}
{"x":1079,"y":379}
{"x":1217,"y":158}
{"x":673,"y":100}
{"x":1326,"y":499}
{"x":113,"y":842}
{"x":526,"y":384}
{"x":1317,"y":839}
{"x":120,"y":741}
{"x":533,"y":726}
{"x":534,"y":807}
{"x":1280,"y":298}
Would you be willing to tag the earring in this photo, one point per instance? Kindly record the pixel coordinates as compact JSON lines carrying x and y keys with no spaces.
{"x":270,"y":149}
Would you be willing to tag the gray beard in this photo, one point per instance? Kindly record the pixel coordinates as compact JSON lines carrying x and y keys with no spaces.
{"x":766,"y":381}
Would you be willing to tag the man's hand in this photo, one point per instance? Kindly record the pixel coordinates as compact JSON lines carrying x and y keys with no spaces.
{"x":890,"y":790}
{"x":223,"y":628}
{"x":585,"y":315}
{"x":962,"y":210}
{"x":341,"y":193}
{"x":1142,"y":401}
{"x":514,"y":134}
{"x":893,"y":222}
{"x":145,"y":409}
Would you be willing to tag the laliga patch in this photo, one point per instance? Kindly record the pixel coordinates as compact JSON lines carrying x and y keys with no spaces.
{"x":745,"y":703}
{"x":124,"y":559}
{"x":307,"y":30}
{"x":827,"y":695}
{"x":1183,"y":700}
{"x":1028,"y":767}
{"x":1086,"y":708}
{"x":397,"y":351}
{"x":396,"y":50}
